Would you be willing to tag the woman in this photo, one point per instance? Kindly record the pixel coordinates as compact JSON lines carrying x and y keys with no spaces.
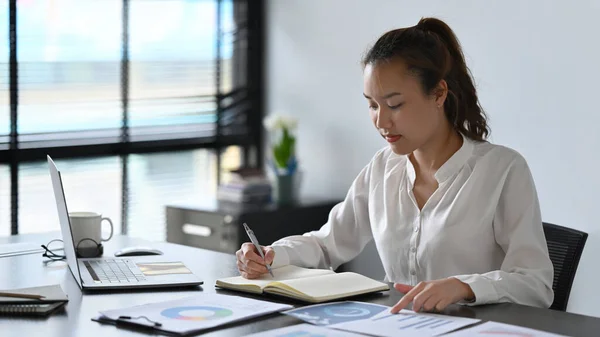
{"x":455,"y":219}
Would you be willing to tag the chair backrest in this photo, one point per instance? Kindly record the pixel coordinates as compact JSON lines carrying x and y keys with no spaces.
{"x":565,"y":246}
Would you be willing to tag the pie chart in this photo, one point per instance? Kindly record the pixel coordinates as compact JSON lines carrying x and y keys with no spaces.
{"x":346,"y":311}
{"x":196,"y":313}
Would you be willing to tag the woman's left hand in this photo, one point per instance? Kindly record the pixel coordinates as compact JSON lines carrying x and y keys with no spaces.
{"x":433,"y":295}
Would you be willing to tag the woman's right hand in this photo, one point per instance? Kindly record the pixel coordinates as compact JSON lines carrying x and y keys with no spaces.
{"x":249,"y":262}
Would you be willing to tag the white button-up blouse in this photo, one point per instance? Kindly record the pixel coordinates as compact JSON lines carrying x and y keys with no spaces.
{"x":482,"y":225}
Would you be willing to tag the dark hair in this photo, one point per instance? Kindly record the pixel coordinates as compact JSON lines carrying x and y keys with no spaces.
{"x":432,"y":52}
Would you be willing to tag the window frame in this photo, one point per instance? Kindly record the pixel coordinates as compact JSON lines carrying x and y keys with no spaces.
{"x":243,"y":103}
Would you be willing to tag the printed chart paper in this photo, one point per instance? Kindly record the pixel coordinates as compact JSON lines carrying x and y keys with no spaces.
{"x":337,"y":312}
{"x":406,"y":324}
{"x":304,"y":330}
{"x":495,"y":329}
{"x":197,"y":312}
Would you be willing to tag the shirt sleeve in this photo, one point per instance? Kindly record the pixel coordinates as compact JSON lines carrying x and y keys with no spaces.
{"x":526,"y":272}
{"x":342,"y":238}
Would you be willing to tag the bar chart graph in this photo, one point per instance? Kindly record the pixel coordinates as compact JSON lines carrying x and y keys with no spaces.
{"x":495,"y":329}
{"x":406,"y":323}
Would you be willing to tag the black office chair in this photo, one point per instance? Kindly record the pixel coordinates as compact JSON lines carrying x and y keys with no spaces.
{"x":565,"y":246}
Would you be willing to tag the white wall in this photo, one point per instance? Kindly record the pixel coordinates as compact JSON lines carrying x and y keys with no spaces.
{"x":537,"y":67}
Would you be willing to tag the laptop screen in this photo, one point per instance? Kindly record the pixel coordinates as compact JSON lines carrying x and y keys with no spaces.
{"x":63,"y":217}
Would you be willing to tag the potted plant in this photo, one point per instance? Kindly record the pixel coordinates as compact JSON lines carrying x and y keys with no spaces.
{"x":282,"y":157}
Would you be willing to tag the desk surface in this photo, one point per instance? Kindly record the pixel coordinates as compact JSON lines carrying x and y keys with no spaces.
{"x":30,"y":270}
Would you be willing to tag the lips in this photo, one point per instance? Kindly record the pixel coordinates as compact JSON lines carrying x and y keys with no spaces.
{"x":392,"y":138}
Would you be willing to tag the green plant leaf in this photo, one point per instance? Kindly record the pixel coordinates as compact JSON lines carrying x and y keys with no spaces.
{"x":284,"y":150}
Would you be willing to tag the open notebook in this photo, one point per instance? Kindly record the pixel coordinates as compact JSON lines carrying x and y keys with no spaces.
{"x":309,"y":285}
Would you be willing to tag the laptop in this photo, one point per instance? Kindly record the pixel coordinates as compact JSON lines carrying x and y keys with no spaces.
{"x":115,"y":272}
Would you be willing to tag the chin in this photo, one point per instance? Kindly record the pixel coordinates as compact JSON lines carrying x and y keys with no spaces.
{"x":401,"y":149}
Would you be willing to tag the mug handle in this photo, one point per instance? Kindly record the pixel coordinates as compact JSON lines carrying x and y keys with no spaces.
{"x":111,"y":228}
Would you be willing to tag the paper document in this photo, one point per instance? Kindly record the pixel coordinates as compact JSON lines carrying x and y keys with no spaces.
{"x":13,"y":249}
{"x":337,"y":312}
{"x":304,"y":330}
{"x":495,"y":329}
{"x":196,"y":313}
{"x":406,"y":324}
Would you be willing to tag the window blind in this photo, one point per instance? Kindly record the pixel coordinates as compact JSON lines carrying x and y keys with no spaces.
{"x":69,"y":55}
{"x":172,"y":73}
{"x":106,"y":87}
{"x":4,"y":200}
{"x":105,"y":72}
{"x":92,"y":185}
{"x":153,"y":184}
{"x":4,"y":81}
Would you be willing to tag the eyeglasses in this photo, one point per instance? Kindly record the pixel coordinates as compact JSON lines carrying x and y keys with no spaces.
{"x":52,"y":249}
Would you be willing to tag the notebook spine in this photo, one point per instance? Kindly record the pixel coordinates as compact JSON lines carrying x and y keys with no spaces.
{"x":17,"y":309}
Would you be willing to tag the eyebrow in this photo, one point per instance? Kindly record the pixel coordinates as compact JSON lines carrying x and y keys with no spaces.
{"x":390,"y":95}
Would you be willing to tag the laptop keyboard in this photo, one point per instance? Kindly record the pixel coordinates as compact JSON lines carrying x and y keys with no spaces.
{"x":114,"y":271}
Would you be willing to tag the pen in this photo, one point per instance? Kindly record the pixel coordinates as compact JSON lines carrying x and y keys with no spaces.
{"x":257,"y":245}
{"x":33,"y":297}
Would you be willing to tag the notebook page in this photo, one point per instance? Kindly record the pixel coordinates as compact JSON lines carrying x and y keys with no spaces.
{"x":51,"y":293}
{"x":335,"y":285}
{"x":281,"y":274}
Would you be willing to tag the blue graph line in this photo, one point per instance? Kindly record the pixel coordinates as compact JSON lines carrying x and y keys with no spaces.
{"x":411,"y":325}
{"x":432,"y":323}
{"x":382,"y":317}
{"x":427,"y":322}
{"x":441,"y":324}
{"x":406,"y":318}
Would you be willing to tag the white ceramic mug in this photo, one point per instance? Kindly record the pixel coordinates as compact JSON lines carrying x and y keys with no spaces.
{"x":88,"y":225}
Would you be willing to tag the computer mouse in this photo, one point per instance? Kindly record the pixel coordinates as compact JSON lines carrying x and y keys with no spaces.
{"x":137,"y":251}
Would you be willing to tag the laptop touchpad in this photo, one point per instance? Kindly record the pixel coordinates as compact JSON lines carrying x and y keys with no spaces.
{"x":163,"y":268}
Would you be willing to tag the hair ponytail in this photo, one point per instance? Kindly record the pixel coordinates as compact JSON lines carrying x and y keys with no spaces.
{"x":431,"y":50}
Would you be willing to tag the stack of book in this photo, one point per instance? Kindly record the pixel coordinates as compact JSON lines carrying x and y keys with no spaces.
{"x":245,"y":186}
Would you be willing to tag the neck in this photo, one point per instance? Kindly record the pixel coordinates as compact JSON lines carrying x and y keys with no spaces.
{"x":433,"y":154}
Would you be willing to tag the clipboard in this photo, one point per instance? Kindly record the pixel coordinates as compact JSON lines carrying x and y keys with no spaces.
{"x":140,"y":324}
{"x":190,"y":315}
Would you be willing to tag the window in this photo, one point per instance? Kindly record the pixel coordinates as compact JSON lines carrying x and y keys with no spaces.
{"x":69,"y":64}
{"x":134,"y":100}
{"x":4,"y":200}
{"x":160,"y":179}
{"x":232,"y":35}
{"x":172,"y":67}
{"x":157,"y":180}
{"x":154,"y":181}
{"x":4,"y":82}
{"x":90,"y":185}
